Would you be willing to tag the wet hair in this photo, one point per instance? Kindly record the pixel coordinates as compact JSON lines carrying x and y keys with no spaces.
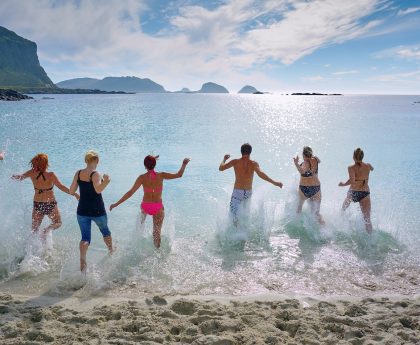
{"x":39,"y":162}
{"x":91,"y":156}
{"x":246,"y":149}
{"x":358,"y":155}
{"x":307,"y":152}
{"x":149,"y":162}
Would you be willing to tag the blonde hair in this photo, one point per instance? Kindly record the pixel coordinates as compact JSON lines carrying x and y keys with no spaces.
{"x":358,"y":155}
{"x":91,"y":156}
{"x":307,"y":152}
{"x":39,"y":162}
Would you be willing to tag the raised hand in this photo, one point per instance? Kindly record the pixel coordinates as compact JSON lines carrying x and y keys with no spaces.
{"x":106,"y":178}
{"x":341,"y":184}
{"x":185,"y":161}
{"x":296,"y":159}
{"x":226,"y":157}
{"x":112,"y":206}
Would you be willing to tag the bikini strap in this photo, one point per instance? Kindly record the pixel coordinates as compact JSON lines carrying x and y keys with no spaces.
{"x":41,"y":174}
{"x":78,"y":175}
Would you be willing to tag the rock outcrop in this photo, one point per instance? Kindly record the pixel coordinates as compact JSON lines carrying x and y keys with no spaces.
{"x":19,"y":64}
{"x":11,"y":95}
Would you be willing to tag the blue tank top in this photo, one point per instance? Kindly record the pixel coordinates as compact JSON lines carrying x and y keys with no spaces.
{"x":91,"y":203}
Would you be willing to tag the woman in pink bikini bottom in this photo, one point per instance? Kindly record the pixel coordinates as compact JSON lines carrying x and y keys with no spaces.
{"x":152,"y":183}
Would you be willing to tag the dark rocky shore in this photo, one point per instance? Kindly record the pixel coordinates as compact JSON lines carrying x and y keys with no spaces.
{"x":11,"y":95}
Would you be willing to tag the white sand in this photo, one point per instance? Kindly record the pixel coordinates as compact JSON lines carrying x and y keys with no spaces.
{"x":199,"y":320}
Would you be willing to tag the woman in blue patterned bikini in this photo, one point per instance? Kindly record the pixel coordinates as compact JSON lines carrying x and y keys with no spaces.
{"x":359,"y":187}
{"x":309,"y":185}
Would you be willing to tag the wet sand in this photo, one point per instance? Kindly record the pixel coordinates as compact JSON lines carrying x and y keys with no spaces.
{"x":203,"y":320}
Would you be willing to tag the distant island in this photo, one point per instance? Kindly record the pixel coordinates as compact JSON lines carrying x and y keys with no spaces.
{"x":125,"y":84}
{"x":210,"y":87}
{"x":249,"y":89}
{"x":315,"y":94}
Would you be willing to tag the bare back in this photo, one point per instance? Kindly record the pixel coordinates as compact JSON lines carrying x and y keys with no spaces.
{"x":43,"y":184}
{"x":152,"y":187}
{"x":244,"y":173}
{"x":360,"y":172}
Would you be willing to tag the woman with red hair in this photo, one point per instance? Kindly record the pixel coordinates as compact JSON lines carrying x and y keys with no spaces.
{"x":152,"y":199}
{"x":44,"y":199}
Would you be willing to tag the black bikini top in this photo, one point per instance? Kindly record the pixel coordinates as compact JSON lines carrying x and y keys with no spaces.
{"x":309,"y":173}
{"x":42,"y":190}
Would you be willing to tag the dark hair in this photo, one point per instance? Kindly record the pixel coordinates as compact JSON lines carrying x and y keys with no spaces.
{"x":307,"y":152}
{"x":246,"y":149}
{"x":149,"y":162}
{"x":358,"y":155}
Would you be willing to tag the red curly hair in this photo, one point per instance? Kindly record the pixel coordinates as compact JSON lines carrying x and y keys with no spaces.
{"x":40,"y":162}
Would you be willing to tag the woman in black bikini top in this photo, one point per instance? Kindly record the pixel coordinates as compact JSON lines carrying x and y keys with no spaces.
{"x":44,"y":198}
{"x":309,"y":185}
{"x":359,"y":189}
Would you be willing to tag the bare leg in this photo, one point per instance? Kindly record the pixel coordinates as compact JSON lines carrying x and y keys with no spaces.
{"x":365,"y":207}
{"x":83,"y":246}
{"x":36,"y":220}
{"x":302,"y":199}
{"x":157,"y":227}
{"x":143,"y":217}
{"x":346,"y":203}
{"x":55,"y":219}
{"x":316,"y":206}
{"x":108,"y":242}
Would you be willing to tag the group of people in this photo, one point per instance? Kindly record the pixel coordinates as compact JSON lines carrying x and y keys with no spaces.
{"x":91,"y":184}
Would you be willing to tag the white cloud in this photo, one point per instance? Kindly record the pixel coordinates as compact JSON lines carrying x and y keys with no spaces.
{"x":409,"y":10}
{"x":411,"y":52}
{"x":353,"y":71}
{"x":97,"y":38}
{"x":410,"y":77}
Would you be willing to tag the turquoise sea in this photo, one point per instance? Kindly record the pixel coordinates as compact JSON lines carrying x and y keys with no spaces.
{"x":284,"y":253}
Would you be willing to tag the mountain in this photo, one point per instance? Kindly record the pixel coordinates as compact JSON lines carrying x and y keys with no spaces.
{"x":126,"y":84}
{"x":78,"y":83}
{"x":248,"y":89}
{"x":19,"y":64}
{"x":212,"y":88}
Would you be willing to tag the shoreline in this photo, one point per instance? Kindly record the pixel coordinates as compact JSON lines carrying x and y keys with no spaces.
{"x":214,"y":319}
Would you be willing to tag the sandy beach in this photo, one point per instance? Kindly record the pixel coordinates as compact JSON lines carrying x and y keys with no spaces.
{"x":205,"y":320}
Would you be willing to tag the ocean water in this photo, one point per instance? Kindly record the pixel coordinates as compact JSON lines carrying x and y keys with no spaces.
{"x":283,"y":253}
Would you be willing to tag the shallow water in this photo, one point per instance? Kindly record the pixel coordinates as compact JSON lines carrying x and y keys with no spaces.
{"x":283,"y":253}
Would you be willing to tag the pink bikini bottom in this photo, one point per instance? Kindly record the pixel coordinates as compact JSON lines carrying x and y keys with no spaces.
{"x":151,"y":208}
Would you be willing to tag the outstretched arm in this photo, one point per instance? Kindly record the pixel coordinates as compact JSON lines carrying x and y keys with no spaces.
{"x":62,"y":187}
{"x":224,"y":165}
{"x":297,"y":165}
{"x":352,"y":178}
{"x":129,"y":194}
{"x":23,"y":176}
{"x":265,"y":177}
{"x":170,"y":176}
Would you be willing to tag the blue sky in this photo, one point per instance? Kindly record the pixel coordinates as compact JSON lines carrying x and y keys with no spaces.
{"x":348,"y":46}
